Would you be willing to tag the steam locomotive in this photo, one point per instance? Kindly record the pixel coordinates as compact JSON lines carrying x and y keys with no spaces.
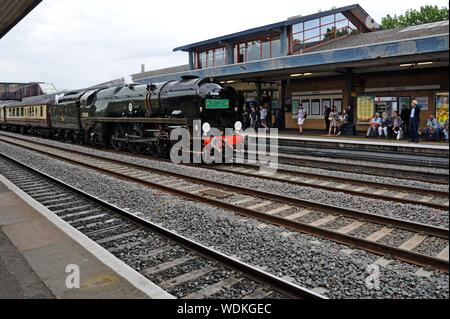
{"x":138,"y":118}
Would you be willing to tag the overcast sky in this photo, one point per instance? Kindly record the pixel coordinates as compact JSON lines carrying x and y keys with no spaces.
{"x":78,"y":43}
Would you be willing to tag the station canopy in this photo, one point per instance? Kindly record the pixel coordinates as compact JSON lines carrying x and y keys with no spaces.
{"x":13,"y":11}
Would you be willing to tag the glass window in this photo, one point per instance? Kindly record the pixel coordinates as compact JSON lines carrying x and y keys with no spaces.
{"x":276,"y":48}
{"x":315,"y":107}
{"x":202,"y":60}
{"x":327,"y":21}
{"x":253,"y":51}
{"x":210,"y":63}
{"x":312,"y":35}
{"x":219,"y":57}
{"x":306,"y":105}
{"x":327,"y":32}
{"x":242,"y":57}
{"x":338,"y":104}
{"x":297,"y":41}
{"x":266,"y":54}
{"x":340,"y":16}
{"x":342,"y":25}
{"x":297,"y":28}
{"x":312,"y":24}
{"x":326,"y":103}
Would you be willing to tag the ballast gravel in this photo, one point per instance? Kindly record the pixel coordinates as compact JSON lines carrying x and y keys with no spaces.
{"x":311,"y":262}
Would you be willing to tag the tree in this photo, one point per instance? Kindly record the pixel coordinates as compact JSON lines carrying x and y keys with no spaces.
{"x":332,"y":33}
{"x":425,"y":14}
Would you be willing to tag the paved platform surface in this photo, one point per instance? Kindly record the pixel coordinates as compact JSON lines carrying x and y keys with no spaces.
{"x":359,"y":139}
{"x":34,"y":255}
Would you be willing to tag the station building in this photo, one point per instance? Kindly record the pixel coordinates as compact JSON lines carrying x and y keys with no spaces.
{"x":339,"y":57}
{"x":18,"y":91}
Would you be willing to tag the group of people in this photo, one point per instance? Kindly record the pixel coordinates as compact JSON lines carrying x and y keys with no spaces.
{"x":381,"y":125}
{"x":388,"y":127}
{"x":407,"y":123}
{"x":256,"y":117}
{"x":336,"y":123}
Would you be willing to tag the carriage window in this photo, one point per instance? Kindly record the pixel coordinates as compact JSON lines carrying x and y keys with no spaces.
{"x":42,"y":111}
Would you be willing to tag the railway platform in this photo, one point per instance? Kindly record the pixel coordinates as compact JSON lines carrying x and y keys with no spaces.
{"x":38,"y":256}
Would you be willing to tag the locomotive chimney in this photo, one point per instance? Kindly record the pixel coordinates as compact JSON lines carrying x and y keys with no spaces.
{"x":142,"y":68}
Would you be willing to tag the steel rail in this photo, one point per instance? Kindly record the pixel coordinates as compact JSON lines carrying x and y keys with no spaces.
{"x":374,"y":247}
{"x":346,"y":180}
{"x":368,"y":169}
{"x":261,"y":276}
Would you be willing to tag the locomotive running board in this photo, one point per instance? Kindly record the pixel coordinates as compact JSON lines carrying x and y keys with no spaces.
{"x":177,"y":121}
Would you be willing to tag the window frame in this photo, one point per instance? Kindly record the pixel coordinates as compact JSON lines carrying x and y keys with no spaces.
{"x":322,"y":27}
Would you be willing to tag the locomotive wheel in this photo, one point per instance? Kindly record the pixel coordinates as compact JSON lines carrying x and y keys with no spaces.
{"x":153,"y":150}
{"x":117,"y":145}
{"x":135,"y":148}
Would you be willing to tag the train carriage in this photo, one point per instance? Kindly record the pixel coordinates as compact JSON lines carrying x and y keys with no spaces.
{"x":30,"y":114}
{"x":2,"y":116}
{"x":65,"y":117}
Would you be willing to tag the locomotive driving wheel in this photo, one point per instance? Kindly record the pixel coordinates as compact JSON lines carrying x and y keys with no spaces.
{"x":116,"y":142}
{"x":135,"y":148}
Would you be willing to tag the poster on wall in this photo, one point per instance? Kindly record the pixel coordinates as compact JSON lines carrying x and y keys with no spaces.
{"x":442,"y":107}
{"x":366,"y":108}
{"x":422,"y":102}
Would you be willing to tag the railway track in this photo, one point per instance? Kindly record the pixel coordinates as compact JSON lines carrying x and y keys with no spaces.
{"x":390,"y":192}
{"x":381,"y":191}
{"x":182,"y":267}
{"x":353,"y":167}
{"x":374,"y":233}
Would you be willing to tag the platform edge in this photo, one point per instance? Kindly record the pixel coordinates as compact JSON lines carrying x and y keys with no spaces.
{"x":137,"y":280}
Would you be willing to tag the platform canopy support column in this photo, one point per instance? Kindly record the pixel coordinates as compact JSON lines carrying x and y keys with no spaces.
{"x":230,"y":53}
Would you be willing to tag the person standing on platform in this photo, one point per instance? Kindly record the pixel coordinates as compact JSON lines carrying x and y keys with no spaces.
{"x":301,"y":117}
{"x":253,"y":118}
{"x":327,"y":119}
{"x":263,"y":117}
{"x":245,"y":117}
{"x":344,"y":123}
{"x":334,"y":121}
{"x":406,"y":112}
{"x":278,"y":120}
{"x":414,"y":120}
{"x":351,"y":120}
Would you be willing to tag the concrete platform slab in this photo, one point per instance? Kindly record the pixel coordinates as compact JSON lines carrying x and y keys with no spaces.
{"x":42,"y":246}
